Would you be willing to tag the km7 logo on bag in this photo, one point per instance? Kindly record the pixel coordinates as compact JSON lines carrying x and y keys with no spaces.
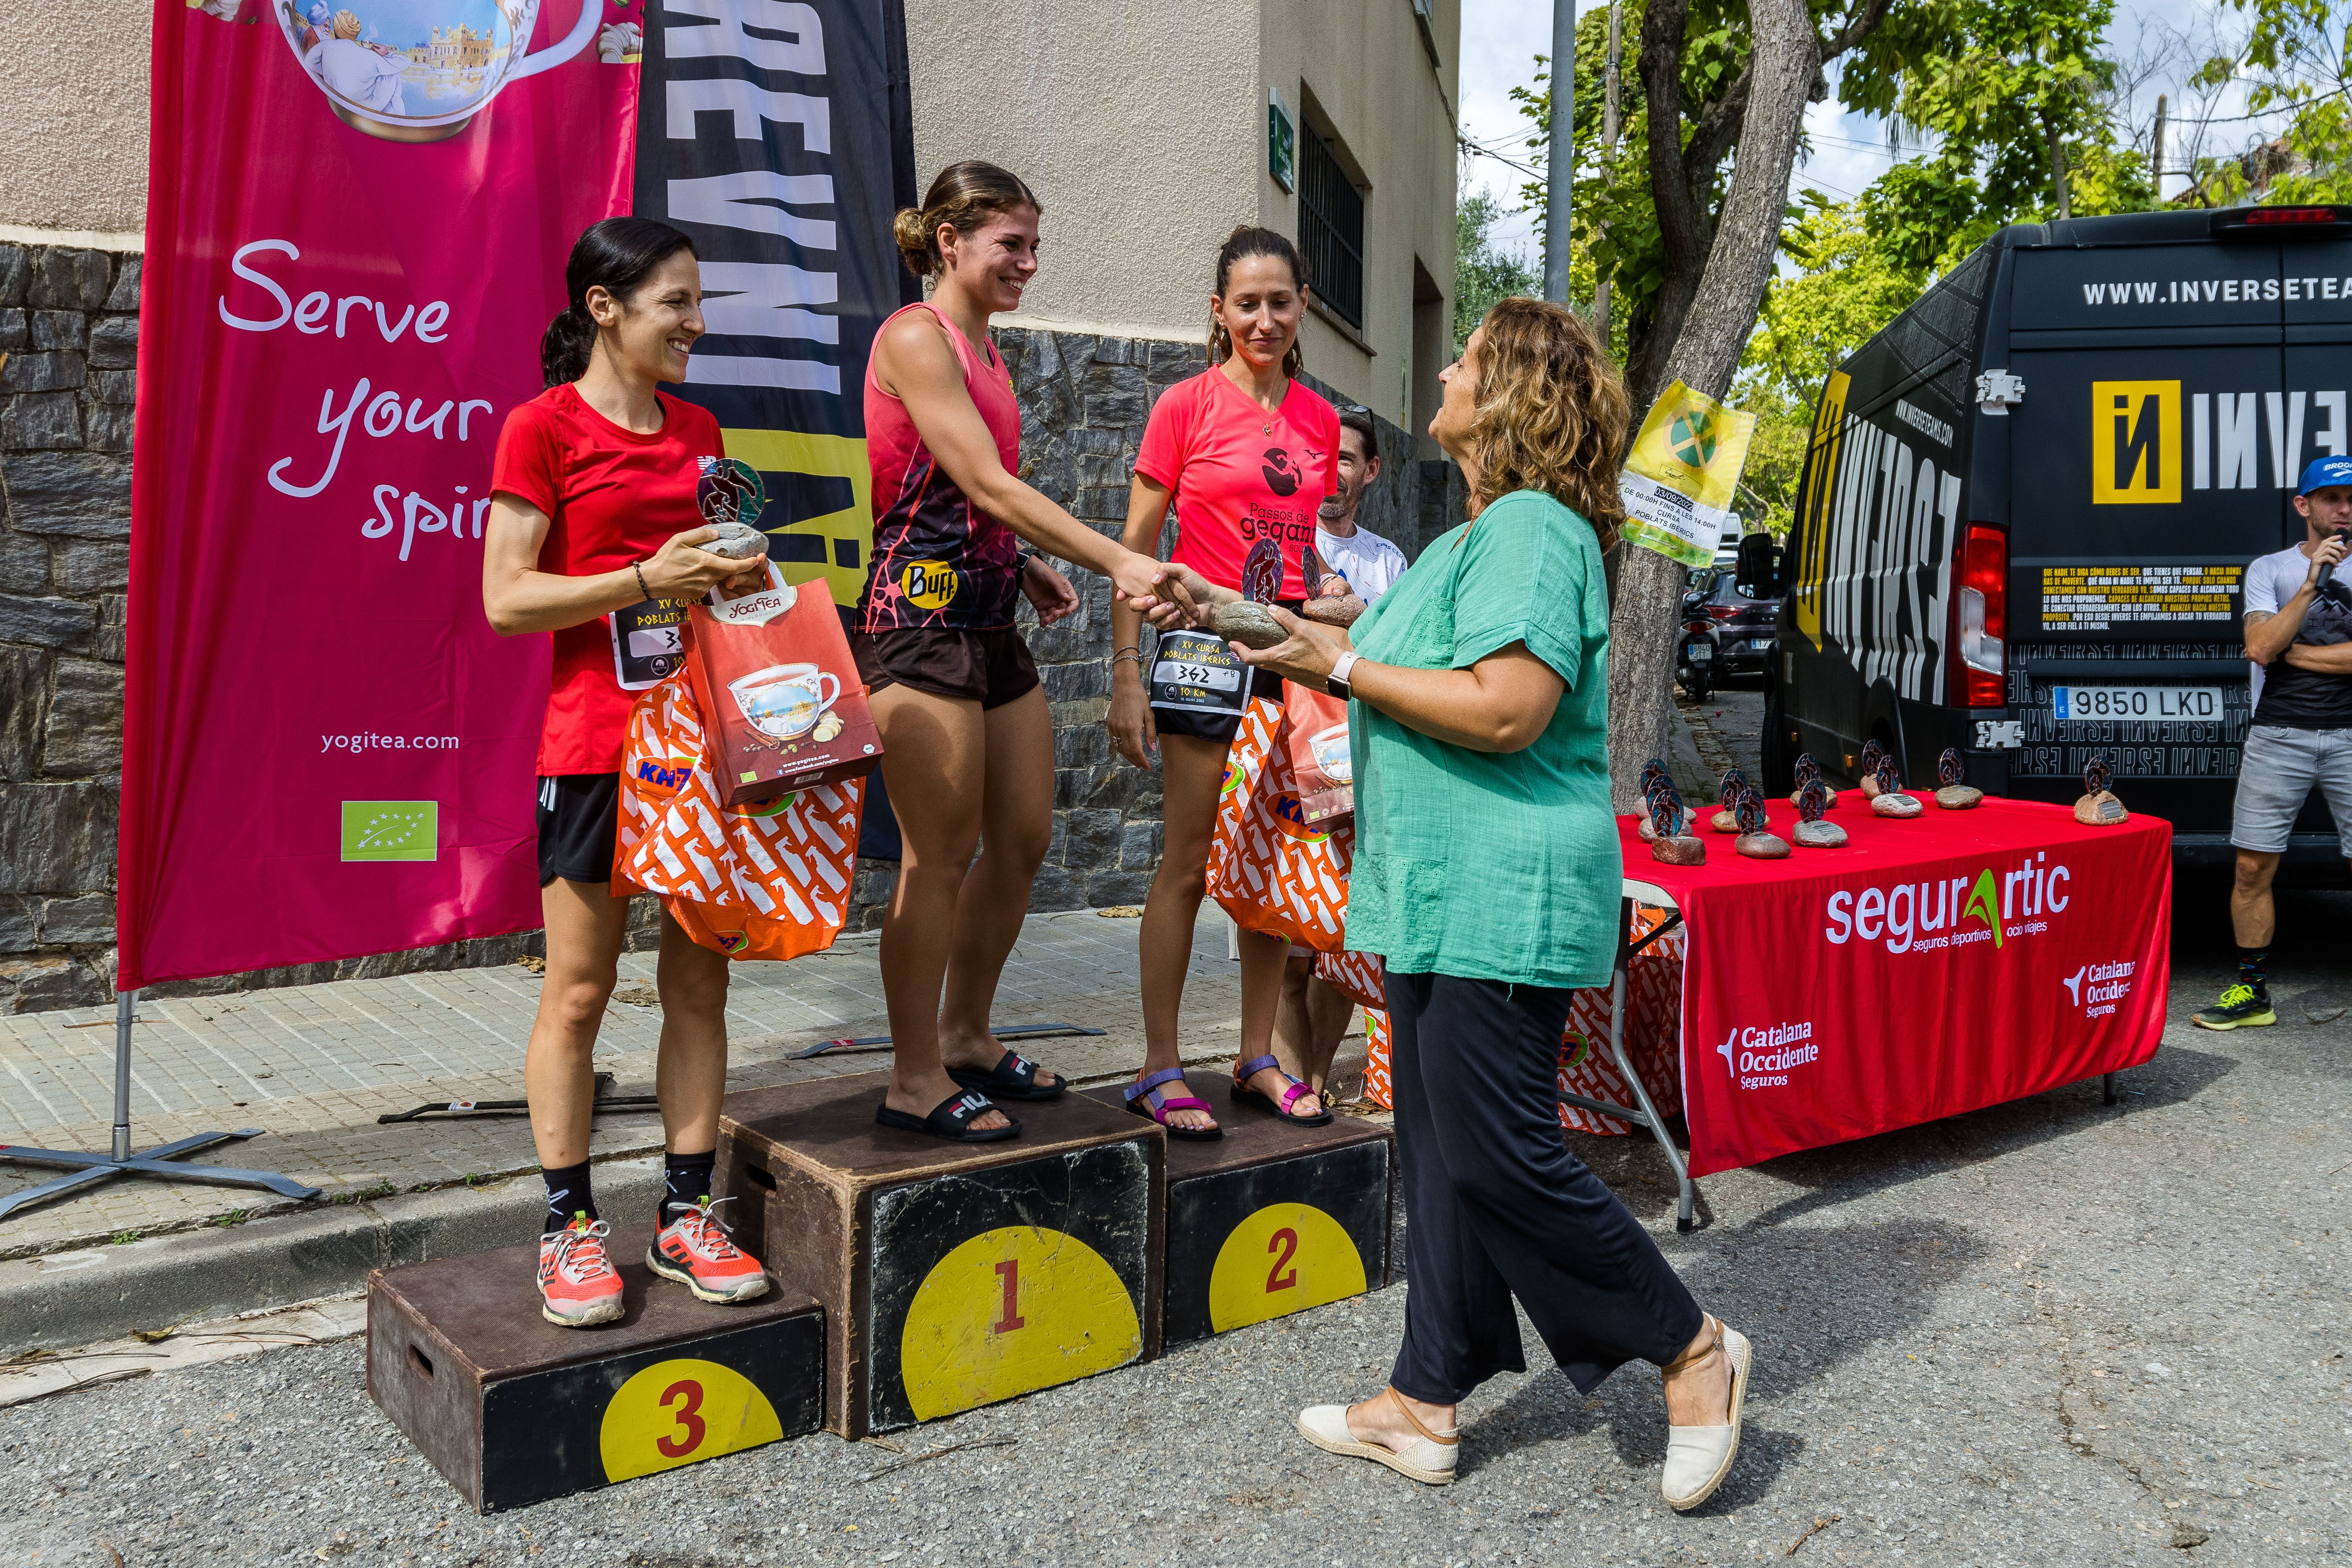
{"x":1291,"y":817}
{"x":2135,"y":456}
{"x":392,"y":829}
{"x":669,"y":774}
{"x":929,"y":585}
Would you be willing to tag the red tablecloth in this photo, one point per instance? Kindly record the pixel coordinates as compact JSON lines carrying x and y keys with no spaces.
{"x":1955,"y":961}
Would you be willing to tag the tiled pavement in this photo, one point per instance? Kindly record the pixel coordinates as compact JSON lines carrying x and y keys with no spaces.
{"x":315,"y":1066}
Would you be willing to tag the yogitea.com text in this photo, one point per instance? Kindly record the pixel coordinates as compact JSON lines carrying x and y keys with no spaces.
{"x":370,"y":741}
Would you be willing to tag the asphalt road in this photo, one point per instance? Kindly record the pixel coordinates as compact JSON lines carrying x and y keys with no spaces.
{"x":2052,"y":1332}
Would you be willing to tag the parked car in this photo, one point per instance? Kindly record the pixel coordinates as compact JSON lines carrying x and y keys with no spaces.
{"x":1744,"y":615}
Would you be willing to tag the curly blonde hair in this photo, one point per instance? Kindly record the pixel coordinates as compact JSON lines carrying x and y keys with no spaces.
{"x":1551,"y":413}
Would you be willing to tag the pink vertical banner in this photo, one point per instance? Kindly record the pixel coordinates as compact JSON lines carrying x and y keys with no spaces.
{"x":358,"y":215}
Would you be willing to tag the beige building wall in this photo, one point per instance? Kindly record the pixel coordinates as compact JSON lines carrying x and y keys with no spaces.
{"x":1127,"y":118}
{"x":74,"y":78}
{"x":1357,"y":72}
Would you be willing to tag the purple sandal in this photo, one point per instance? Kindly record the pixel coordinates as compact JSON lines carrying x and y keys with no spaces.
{"x":1245,"y":1095}
{"x":1145,"y":1100}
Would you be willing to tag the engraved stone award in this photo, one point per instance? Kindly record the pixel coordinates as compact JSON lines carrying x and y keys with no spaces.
{"x":1667,"y":841}
{"x":1953,"y":792}
{"x":1809,"y":772}
{"x":1756,"y":840}
{"x":1872,"y":755}
{"x":1735,"y":785}
{"x":1890,"y":800}
{"x":1811,"y":832}
{"x":1653,"y":779}
{"x":2098,"y":807}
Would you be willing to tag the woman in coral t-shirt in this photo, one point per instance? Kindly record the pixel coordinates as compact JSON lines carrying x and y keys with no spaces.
{"x":592,"y":531}
{"x":1246,"y":456}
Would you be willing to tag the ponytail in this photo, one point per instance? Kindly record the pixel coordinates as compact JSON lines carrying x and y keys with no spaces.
{"x":962,"y":196}
{"x":1251,"y":240}
{"x":616,"y":255}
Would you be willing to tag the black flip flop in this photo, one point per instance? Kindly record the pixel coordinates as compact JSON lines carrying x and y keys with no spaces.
{"x":1015,"y":1077}
{"x":951,"y":1119}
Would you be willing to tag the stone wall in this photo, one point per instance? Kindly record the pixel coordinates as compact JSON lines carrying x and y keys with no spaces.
{"x":69,"y":328}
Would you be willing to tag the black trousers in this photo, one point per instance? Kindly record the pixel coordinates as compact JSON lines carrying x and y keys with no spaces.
{"x":1495,"y":1207}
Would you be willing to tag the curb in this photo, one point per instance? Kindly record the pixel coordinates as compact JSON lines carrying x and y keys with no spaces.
{"x":61,"y":1300}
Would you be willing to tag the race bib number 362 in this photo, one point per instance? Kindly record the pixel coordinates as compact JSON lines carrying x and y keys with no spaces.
{"x":1197,"y":672}
{"x":648,"y":644}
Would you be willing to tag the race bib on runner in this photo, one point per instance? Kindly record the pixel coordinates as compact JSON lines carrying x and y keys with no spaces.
{"x":647,"y":642}
{"x":1197,"y":672}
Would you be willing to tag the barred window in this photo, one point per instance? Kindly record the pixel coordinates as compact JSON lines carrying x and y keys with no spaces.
{"x":1330,"y":228}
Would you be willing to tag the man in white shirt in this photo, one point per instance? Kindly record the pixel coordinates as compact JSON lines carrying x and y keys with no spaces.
{"x":2299,"y":637}
{"x":1367,"y":561}
{"x":1313,"y":1018}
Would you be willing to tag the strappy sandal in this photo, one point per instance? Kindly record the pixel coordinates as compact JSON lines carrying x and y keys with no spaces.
{"x":1015,"y":1077}
{"x":1145,"y":1098}
{"x":1245,"y":1095}
{"x":952,"y":1120}
{"x":1429,"y":1460}
{"x":1699,"y":1457}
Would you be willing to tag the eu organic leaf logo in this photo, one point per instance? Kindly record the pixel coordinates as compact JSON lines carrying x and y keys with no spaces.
{"x":1982,"y":904}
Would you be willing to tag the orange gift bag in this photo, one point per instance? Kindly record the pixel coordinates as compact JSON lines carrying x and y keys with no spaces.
{"x":1271,"y":869}
{"x":769,"y":880}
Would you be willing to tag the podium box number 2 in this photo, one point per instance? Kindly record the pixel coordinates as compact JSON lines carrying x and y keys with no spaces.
{"x":1273,"y":1219}
{"x":515,"y":1410}
{"x":951,"y":1275}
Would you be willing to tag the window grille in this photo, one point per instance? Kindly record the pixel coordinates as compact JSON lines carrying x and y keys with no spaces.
{"x":1330,"y":228}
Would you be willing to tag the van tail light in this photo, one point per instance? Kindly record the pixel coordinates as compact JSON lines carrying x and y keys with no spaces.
{"x":1980,"y":619}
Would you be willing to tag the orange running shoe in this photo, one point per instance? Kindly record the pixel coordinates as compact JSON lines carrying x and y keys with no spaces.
{"x":576,"y":1283}
{"x":694,"y":1250}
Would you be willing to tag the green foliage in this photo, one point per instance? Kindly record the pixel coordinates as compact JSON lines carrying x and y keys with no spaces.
{"x":1483,"y":273}
{"x":2297,"y":54}
{"x":1847,"y":279}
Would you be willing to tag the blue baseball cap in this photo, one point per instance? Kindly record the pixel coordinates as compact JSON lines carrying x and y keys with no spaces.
{"x":2321,"y":473}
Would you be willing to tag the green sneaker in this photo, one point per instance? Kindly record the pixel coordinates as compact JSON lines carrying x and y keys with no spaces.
{"x":2242,"y":1007}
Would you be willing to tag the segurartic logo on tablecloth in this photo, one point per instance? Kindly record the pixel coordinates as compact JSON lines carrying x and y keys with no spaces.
{"x":1953,"y":911}
{"x":1763,"y":1059}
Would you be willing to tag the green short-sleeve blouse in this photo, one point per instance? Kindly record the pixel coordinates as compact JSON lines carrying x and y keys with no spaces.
{"x":1479,"y":864}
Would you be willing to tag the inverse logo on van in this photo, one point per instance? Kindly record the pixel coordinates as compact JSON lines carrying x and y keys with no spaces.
{"x":2136,"y":448}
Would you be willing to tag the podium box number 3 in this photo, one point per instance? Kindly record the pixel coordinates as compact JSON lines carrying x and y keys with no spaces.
{"x":951,"y":1275}
{"x":514,"y":1410}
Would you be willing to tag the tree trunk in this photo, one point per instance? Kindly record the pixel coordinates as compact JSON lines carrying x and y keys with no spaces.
{"x":1786,"y":62}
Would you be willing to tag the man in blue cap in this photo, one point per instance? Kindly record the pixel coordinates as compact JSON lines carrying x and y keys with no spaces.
{"x":2299,"y":637}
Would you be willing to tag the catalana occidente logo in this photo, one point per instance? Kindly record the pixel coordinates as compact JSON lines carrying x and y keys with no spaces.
{"x":1994,"y":906}
{"x":1763,"y":1058}
{"x":2095,"y":988}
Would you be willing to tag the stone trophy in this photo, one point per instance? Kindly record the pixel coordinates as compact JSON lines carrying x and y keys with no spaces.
{"x":1653,"y":779}
{"x":1890,"y":800}
{"x":1667,"y":841}
{"x":1248,"y":623}
{"x":1811,"y":832}
{"x":1872,"y":755}
{"x":2099,"y":807}
{"x":1735,"y":785}
{"x":1809,"y":772}
{"x":1953,"y":792}
{"x":1756,"y":840}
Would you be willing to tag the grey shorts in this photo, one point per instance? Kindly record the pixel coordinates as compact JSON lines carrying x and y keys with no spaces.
{"x":2276,"y":776}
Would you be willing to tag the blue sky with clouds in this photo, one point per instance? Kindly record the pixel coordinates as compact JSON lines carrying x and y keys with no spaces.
{"x":1500,"y":39}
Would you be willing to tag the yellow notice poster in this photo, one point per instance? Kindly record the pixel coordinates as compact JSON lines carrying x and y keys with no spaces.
{"x":1678,"y":479}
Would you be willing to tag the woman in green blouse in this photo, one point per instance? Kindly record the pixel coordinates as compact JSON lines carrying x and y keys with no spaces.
{"x":1487,"y":874}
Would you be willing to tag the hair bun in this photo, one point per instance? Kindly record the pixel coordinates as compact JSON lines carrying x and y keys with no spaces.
{"x":914,"y":240}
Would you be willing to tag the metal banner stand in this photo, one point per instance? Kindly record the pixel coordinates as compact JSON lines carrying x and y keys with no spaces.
{"x":89,"y":1170}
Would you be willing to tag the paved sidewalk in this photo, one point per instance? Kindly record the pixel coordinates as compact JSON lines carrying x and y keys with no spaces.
{"x":315,"y":1066}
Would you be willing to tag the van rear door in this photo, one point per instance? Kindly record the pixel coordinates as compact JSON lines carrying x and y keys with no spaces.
{"x":2165,"y":419}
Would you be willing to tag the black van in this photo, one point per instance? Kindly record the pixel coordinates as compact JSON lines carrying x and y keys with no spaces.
{"x":2028,"y":506}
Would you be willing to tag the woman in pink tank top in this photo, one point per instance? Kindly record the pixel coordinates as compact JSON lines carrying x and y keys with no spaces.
{"x":966,"y":741}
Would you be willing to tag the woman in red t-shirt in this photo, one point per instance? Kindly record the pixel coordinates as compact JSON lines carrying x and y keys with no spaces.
{"x":595,"y":517}
{"x":1246,"y":455}
{"x":967,"y":738}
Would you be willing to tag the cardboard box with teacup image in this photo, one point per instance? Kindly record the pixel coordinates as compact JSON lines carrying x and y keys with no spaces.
{"x":1315,"y":730}
{"x":779,"y":692}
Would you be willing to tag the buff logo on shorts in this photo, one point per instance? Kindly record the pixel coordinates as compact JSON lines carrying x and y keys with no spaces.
{"x":929,"y":585}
